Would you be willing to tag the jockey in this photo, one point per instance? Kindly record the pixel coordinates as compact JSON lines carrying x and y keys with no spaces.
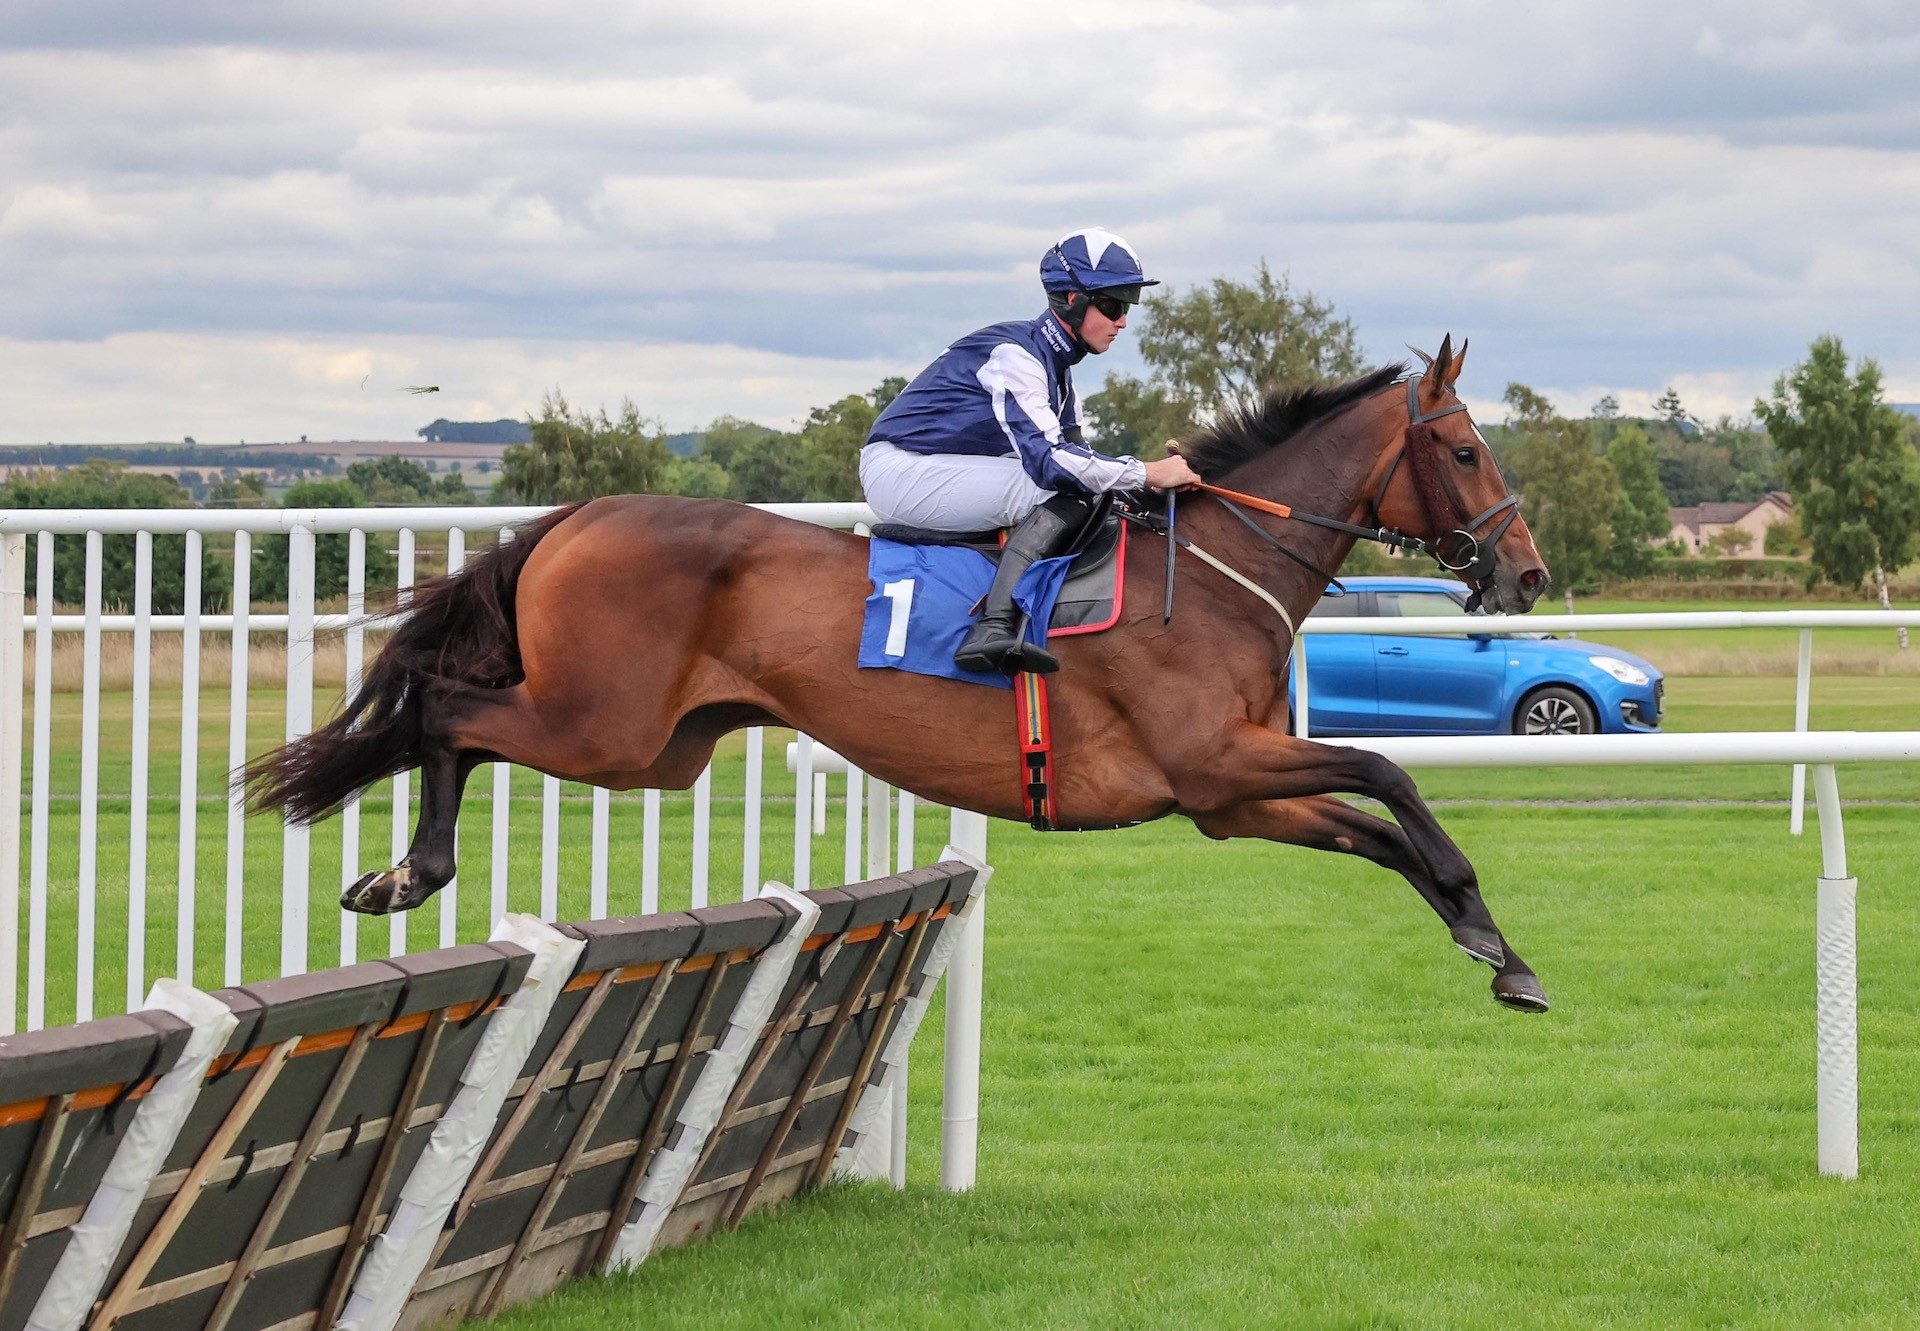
{"x":989,"y":436}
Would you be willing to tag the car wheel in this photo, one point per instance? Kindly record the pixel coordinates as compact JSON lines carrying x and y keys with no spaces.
{"x":1555,"y":711}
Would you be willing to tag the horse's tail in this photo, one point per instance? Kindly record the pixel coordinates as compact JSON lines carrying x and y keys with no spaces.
{"x":453,"y":630}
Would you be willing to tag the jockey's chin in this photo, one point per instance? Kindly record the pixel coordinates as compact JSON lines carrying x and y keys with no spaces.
{"x":1097,"y":331}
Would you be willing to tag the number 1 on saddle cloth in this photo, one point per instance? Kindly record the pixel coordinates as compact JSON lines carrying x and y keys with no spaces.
{"x":923,"y":602}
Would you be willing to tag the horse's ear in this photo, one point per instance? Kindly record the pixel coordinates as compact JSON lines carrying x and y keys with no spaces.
{"x":1459,"y":360}
{"x":1440,"y":368}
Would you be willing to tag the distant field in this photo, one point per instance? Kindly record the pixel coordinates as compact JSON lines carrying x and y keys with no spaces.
{"x":1754,"y":651}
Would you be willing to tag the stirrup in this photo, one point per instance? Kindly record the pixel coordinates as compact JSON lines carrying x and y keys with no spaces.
{"x":1008,"y":654}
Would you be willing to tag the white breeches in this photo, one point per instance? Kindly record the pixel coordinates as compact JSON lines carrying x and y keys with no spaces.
{"x":947,"y":491}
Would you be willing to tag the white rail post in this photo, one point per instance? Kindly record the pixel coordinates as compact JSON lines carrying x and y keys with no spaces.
{"x":295,"y":868}
{"x":1837,"y":1019}
{"x":402,"y":781}
{"x":803,"y":812}
{"x":188,"y":872}
{"x":13,"y":711}
{"x":232,"y":956}
{"x":356,"y":644}
{"x":1802,"y":693}
{"x":1300,"y":725}
{"x":960,"y":1107}
{"x":89,"y":885}
{"x":750,"y":849}
{"x":42,"y":778}
{"x":450,"y":894}
{"x":137,"y":792}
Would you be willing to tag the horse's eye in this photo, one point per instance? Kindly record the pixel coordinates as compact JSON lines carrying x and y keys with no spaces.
{"x":1466,"y":457}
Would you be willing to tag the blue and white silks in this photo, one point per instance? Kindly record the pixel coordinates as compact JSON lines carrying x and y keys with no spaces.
{"x":1007,"y":391}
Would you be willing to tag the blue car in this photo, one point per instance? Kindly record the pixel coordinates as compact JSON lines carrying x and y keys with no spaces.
{"x":1469,"y":684}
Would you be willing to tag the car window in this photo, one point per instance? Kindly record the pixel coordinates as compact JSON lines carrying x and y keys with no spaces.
{"x":1336,"y":607}
{"x":1408,"y":605}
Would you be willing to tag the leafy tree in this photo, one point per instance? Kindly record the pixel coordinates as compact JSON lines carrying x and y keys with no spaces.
{"x":1729,"y":541}
{"x":697,"y":478}
{"x":830,"y":442}
{"x":237,"y":489}
{"x":1640,"y":514}
{"x":1669,"y":409}
{"x":1607,"y":408}
{"x":583,"y":455}
{"x":330,"y":550}
{"x":1569,"y":489}
{"x":103,"y":484}
{"x":474,"y":432}
{"x":392,"y":482}
{"x":1217,"y":344}
{"x":1785,"y":539}
{"x":1855,"y":480}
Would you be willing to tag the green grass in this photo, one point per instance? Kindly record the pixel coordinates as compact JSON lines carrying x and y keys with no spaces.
{"x":1240,"y":1085}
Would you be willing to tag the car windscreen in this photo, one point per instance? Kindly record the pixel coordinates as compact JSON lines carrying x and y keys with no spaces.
{"x":1415,"y":604}
{"x":1336,"y":607}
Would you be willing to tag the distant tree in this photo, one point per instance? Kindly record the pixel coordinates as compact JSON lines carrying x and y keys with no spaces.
{"x":331,"y":551}
{"x":1669,"y":409}
{"x":1855,"y":480}
{"x":1569,"y":490}
{"x":697,"y":478}
{"x":103,"y":484}
{"x":392,"y":482}
{"x":236,"y":489}
{"x":831,"y":439}
{"x":1607,"y":408}
{"x":1729,"y":541}
{"x":1785,"y":539}
{"x":502,"y":431}
{"x":762,"y":465}
{"x":576,"y":455}
{"x":1640,"y":514}
{"x":1216,"y":344}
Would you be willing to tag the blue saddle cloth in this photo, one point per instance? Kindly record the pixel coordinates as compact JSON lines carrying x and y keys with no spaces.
{"x":922,"y":606}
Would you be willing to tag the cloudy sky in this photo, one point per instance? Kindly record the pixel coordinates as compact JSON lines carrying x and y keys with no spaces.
{"x":236,"y":219}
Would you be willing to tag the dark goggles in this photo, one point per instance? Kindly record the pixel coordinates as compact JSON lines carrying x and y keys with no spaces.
{"x":1114,"y":303}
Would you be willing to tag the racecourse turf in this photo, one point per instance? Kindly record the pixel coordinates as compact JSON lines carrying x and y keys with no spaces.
{"x":1239,"y":1084}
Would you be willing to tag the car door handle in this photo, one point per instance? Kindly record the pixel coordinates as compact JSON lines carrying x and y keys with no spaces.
{"x":1393,"y":651}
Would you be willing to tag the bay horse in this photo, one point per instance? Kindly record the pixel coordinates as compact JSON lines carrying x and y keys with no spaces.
{"x":615,"y":642}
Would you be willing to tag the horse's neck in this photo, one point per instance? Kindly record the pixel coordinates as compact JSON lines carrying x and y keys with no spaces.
{"x":1325,"y":470}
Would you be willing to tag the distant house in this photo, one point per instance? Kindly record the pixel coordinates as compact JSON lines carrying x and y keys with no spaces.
{"x":1697,"y":524}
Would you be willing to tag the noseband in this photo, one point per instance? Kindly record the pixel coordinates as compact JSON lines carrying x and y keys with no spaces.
{"x":1461,"y":551}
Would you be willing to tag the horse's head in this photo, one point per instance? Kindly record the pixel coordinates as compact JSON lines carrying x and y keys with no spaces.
{"x":1442,"y":485}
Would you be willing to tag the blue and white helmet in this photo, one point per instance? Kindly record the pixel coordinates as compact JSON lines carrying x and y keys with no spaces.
{"x":1094,"y":260}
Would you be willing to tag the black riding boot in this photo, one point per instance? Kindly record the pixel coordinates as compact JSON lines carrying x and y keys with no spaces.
{"x":994,"y":642}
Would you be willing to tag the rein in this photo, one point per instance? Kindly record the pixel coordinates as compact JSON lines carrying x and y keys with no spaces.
{"x":1460,"y":551}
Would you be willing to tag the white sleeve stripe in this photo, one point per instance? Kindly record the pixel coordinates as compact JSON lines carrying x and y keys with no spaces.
{"x":1013,"y":369}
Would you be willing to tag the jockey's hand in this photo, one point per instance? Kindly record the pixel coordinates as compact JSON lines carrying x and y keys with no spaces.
{"x":1171,"y":473}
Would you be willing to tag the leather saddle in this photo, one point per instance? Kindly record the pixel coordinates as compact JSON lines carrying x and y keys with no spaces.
{"x":1090,"y":600}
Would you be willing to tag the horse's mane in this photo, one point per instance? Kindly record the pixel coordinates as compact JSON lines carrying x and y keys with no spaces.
{"x":1246,"y":430}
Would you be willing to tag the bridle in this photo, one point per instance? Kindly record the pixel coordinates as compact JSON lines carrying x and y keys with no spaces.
{"x":1461,"y":551}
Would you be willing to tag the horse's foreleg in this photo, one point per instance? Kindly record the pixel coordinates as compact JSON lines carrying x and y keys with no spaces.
{"x":1323,"y":823}
{"x":1255,"y":763}
{"x":429,"y":862}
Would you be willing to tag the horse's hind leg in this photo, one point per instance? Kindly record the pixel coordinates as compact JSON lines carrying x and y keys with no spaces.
{"x":1323,"y":823}
{"x":429,"y":863}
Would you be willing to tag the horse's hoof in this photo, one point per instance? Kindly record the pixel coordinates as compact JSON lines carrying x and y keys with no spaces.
{"x":1481,"y":945}
{"x":380,"y":893}
{"x":1522,"y":993}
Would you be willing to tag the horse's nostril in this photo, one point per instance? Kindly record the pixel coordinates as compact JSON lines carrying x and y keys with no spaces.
{"x":1532,"y":578}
